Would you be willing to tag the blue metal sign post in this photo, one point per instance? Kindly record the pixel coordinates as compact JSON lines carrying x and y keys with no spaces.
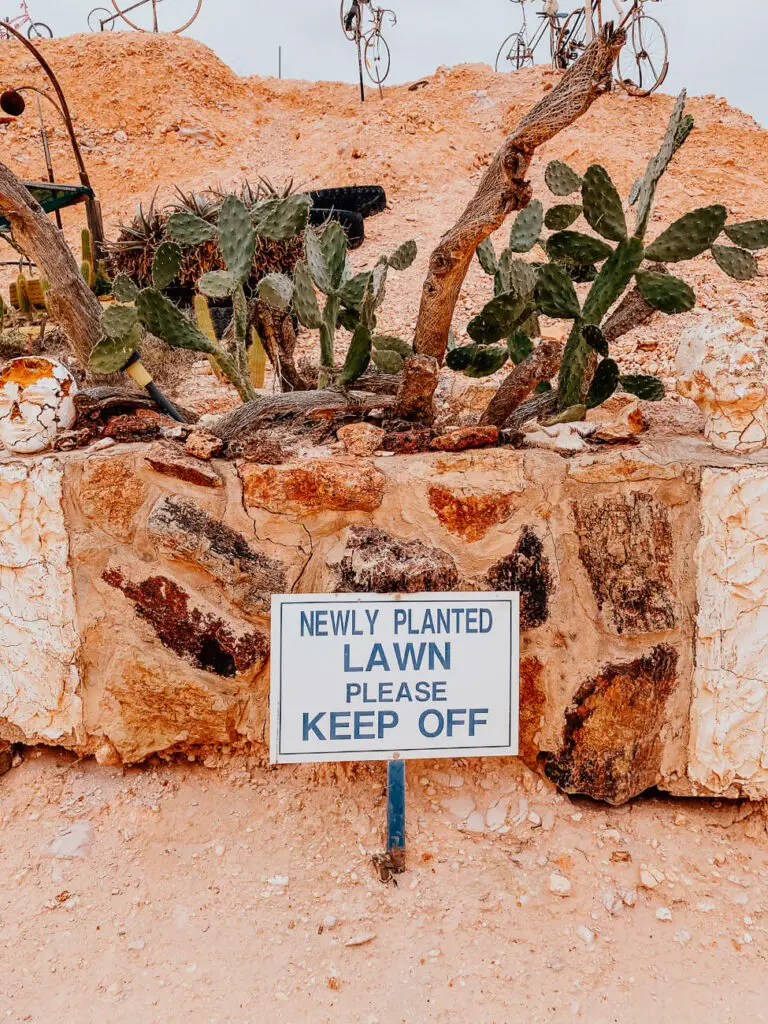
{"x":396,"y":815}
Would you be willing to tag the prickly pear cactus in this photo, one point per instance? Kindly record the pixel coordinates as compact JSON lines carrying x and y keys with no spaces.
{"x":351,"y":302}
{"x":615,"y":261}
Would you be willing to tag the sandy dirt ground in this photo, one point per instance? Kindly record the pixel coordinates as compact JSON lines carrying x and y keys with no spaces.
{"x":236,"y":893}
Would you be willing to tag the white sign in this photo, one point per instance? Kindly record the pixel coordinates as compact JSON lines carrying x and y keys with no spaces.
{"x":365,"y":677}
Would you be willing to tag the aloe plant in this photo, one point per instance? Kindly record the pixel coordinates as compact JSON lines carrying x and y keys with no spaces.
{"x":236,"y":232}
{"x":351,"y":302}
{"x":613,"y":258}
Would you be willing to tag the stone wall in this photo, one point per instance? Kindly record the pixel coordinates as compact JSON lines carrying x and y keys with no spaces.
{"x":135,"y":585}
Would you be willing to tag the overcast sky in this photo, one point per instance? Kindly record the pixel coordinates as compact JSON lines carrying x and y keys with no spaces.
{"x":716,"y":46}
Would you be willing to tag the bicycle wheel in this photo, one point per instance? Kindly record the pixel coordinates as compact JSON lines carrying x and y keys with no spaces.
{"x":643,"y":62}
{"x":169,"y":12}
{"x":39,"y":30}
{"x":572,"y":41}
{"x":377,"y":58}
{"x":348,"y":18}
{"x":95,"y":18}
{"x":513,"y":54}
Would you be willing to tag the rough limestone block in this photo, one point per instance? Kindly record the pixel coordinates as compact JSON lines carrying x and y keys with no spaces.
{"x":729,"y":711}
{"x":39,"y":683}
{"x":150,"y":704}
{"x":724,"y":369}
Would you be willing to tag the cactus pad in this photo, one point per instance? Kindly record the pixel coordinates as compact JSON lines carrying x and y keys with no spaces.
{"x":403,"y":256}
{"x":358,"y":356}
{"x":317,"y":263}
{"x":572,"y":247}
{"x":166,"y":265}
{"x":109,"y":355}
{"x":237,"y":239}
{"x":486,"y":256}
{"x":561,"y":180}
{"x":118,"y":321}
{"x":387,"y":360}
{"x":737,"y":263}
{"x":189,"y":230}
{"x":486,"y":360}
{"x":649,"y":389}
{"x":391,"y":343}
{"x":555,"y":294}
{"x":217,"y":284}
{"x":123,"y":289}
{"x":333,"y":243}
{"x":752,"y":234}
{"x":166,"y":321}
{"x":615,"y":274}
{"x":689,"y":236}
{"x":353,"y":290}
{"x":602,"y":204}
{"x":485,"y":330}
{"x":571,"y":414}
{"x":604,"y":383}
{"x":558,"y":218}
{"x":304,"y":298}
{"x":519,"y":346}
{"x":516,"y":275}
{"x":460,"y":357}
{"x":526,"y":227}
{"x":595,"y":338}
{"x":276,"y":290}
{"x":664,"y":292}
{"x":279,"y":219}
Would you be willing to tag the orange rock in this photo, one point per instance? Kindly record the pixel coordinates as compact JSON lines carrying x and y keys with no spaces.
{"x":313,"y":485}
{"x":466,"y":437}
{"x":171,"y":460}
{"x":110,"y":494}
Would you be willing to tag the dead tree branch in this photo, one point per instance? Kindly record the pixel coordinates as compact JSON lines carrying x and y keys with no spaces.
{"x":71,"y":303}
{"x":541,"y":365}
{"x":296,"y":404}
{"x":504,"y":189}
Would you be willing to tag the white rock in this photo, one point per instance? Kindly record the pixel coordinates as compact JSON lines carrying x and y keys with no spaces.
{"x":278,"y":881}
{"x":37,"y":401}
{"x":723,"y":367}
{"x":664,"y":914}
{"x":559,"y":885}
{"x":586,"y":934}
{"x":361,"y":939}
{"x":562,"y":437}
{"x":71,"y":842}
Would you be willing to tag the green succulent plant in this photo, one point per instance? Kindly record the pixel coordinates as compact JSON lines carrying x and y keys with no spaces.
{"x":351,"y":302}
{"x":236,"y":233}
{"x":613,"y":258}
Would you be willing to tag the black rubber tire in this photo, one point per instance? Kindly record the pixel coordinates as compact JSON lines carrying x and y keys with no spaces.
{"x":39,"y":30}
{"x":352,"y":222}
{"x":221,"y":317}
{"x":363,"y":199}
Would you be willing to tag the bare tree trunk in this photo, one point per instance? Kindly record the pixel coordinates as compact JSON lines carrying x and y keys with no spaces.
{"x":71,"y":303}
{"x":542,"y":364}
{"x":305,"y":404}
{"x":504,"y":188}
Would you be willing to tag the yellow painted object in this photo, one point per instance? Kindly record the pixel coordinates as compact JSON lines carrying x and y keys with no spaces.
{"x":257,"y":361}
{"x":36,"y":294}
{"x":204,"y":321}
{"x":139,"y":373}
{"x":13,"y":294}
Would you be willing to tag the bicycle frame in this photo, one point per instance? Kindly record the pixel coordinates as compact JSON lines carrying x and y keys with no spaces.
{"x":21,"y":19}
{"x":118,"y":17}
